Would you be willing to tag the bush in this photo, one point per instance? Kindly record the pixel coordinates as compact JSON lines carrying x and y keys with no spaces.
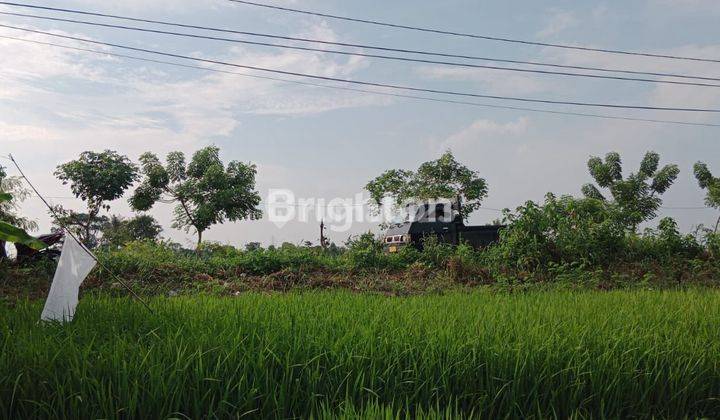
{"x":566,"y":240}
{"x":563,"y":230}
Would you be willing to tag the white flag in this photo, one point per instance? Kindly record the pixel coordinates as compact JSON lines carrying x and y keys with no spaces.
{"x":74,"y":265}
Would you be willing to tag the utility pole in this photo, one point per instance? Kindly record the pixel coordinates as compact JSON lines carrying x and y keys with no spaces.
{"x":458,"y":219}
{"x":458,"y":199}
{"x":323,"y":239}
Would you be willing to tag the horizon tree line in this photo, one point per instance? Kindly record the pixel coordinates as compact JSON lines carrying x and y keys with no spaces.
{"x":206,"y":192}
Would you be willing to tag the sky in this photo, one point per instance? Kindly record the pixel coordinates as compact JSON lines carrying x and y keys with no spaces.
{"x":327,"y":144}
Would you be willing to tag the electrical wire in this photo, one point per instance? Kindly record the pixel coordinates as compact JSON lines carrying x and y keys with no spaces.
{"x":357,"y":54}
{"x":372,"y":92}
{"x":371,"y":47}
{"x":69,"y":232}
{"x":476,"y":36}
{"x":366,"y":83}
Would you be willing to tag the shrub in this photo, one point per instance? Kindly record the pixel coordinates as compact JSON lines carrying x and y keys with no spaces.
{"x":563,"y":230}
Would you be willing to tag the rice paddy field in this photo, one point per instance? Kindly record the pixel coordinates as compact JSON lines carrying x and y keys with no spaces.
{"x":338,"y":354}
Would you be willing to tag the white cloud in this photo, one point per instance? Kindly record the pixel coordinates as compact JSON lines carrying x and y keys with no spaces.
{"x":24,"y":133}
{"x":658,"y":94}
{"x":164,"y":6}
{"x":483,"y":132}
{"x":27,"y":62}
{"x":559,"y":21}
{"x":198,"y":104}
{"x":688,"y":5}
{"x":492,"y":81}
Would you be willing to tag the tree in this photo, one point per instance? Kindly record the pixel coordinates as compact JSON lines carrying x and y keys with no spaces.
{"x":96,"y":178}
{"x":118,"y":231}
{"x":708,"y":182}
{"x":86,"y":228}
{"x":253,"y":246}
{"x":441,"y":178}
{"x":206,"y":192}
{"x":637,"y":196}
{"x":13,"y":185}
{"x":12,"y":193}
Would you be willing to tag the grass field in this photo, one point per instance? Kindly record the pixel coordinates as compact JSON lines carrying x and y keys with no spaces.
{"x":543,"y":354}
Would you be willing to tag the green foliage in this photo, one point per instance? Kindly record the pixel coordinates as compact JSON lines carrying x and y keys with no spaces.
{"x":708,"y":182}
{"x":118,"y":231}
{"x":10,"y":233}
{"x":637,"y":196}
{"x":12,"y":194}
{"x":434,"y":253}
{"x":441,"y":178}
{"x":666,"y":242}
{"x":96,"y":178}
{"x":568,"y":237}
{"x":13,"y":226}
{"x":563,"y":230}
{"x":320,"y":355}
{"x":85,"y":227}
{"x":14,"y":234}
{"x":364,"y":251}
{"x":206,"y":192}
{"x":711,"y":184}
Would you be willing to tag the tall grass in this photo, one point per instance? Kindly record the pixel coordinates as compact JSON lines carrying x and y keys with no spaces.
{"x":556,"y":354}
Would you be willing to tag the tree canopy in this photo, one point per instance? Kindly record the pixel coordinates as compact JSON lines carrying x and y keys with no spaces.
{"x":13,"y":227}
{"x":119,"y":231}
{"x":441,"y":178}
{"x":637,"y":195}
{"x":95,"y":178}
{"x":710,"y":184}
{"x":206,"y":192}
{"x":14,"y":192}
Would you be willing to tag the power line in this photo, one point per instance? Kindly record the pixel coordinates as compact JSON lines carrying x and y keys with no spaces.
{"x":69,"y":232}
{"x":364,"y":46}
{"x":372,"y":92}
{"x":685,"y":208}
{"x":374,"y":84}
{"x":358,"y":54}
{"x":476,"y":36}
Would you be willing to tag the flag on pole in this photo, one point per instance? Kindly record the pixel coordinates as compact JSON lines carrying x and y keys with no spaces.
{"x":74,"y":265}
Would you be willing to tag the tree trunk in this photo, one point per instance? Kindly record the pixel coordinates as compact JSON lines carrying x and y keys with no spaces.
{"x":87,"y":234}
{"x":200,"y":232}
{"x":717,"y":224}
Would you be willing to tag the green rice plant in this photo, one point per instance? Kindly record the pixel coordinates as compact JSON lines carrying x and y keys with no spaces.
{"x":335,"y":354}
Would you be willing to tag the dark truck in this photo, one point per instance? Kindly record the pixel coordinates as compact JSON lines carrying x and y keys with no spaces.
{"x":442,"y":220}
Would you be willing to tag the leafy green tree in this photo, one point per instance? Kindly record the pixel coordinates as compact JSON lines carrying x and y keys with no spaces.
{"x":711,"y":184}
{"x":441,"y":178}
{"x":561,"y":230}
{"x":638,"y":195}
{"x":86,"y":228}
{"x":206,"y":192}
{"x":95,"y":178}
{"x":253,"y":246}
{"x":9,"y":209}
{"x":118,"y":231}
{"x":12,"y":193}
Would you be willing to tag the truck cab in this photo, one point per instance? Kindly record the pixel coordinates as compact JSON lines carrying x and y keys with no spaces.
{"x":441,"y":219}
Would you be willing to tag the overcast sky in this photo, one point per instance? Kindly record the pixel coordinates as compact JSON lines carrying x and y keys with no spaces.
{"x":323,"y":143}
